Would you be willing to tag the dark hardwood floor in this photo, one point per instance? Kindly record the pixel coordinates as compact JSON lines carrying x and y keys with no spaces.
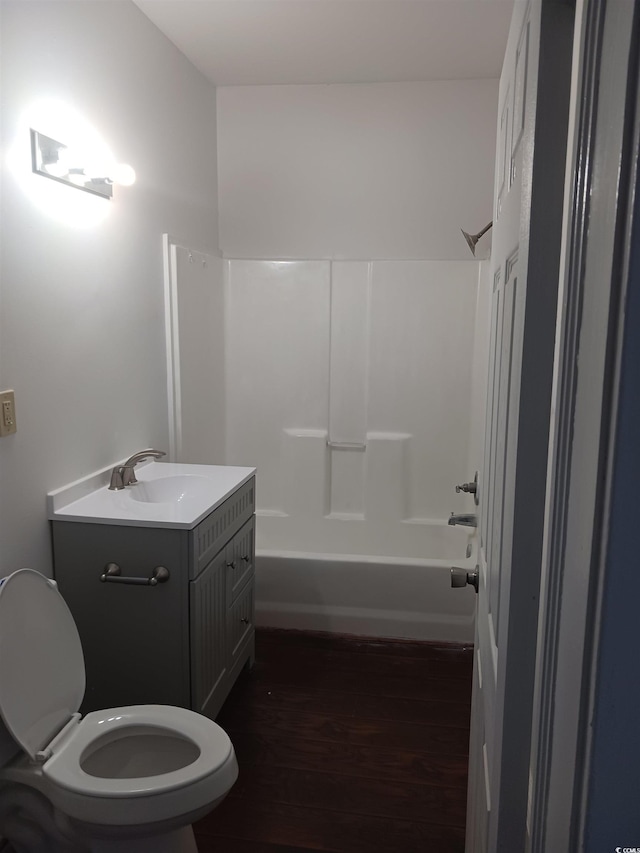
{"x":348,"y":745}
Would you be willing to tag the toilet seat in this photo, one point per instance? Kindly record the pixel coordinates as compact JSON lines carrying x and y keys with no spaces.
{"x":147,"y":799}
{"x":64,"y":768}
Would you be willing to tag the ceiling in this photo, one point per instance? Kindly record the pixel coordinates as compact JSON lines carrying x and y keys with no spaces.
{"x":266,"y":42}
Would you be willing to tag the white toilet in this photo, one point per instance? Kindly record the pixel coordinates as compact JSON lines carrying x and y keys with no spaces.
{"x":124,"y":779}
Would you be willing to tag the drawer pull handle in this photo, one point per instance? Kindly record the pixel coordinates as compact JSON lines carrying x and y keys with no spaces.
{"x":112,"y":574}
{"x":245,"y":558}
{"x":231,"y":565}
{"x":244,"y":620}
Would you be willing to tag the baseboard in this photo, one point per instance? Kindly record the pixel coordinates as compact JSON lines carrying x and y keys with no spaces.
{"x":361,"y":622}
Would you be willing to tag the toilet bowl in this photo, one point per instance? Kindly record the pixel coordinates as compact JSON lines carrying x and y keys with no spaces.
{"x":130,"y":779}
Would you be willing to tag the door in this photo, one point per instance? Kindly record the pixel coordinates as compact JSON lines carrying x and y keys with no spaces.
{"x":531,"y":148}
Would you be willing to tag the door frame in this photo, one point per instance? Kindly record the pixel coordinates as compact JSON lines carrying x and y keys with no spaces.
{"x":170,"y":246}
{"x":172,"y":343}
{"x":590,"y":337}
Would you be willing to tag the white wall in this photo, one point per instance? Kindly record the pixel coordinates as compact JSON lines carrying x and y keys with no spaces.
{"x":82,"y":329}
{"x":355,"y":171}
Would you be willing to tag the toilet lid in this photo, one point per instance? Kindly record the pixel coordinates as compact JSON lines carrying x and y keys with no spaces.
{"x":42,"y":676}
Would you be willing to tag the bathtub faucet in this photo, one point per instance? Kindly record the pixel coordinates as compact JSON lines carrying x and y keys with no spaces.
{"x":466,"y":519}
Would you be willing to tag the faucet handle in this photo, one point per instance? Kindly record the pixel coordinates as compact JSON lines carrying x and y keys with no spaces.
{"x":466,"y":487}
{"x":117,"y":482}
{"x":470,"y":488}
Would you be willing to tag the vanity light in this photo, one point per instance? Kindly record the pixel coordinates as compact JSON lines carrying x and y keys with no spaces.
{"x":124,"y":175}
{"x":57,"y":161}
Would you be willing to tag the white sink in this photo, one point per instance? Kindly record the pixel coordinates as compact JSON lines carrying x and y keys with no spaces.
{"x":171,"y":489}
{"x":167,"y":494}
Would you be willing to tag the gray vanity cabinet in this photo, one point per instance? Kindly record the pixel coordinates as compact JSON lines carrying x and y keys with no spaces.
{"x":182,"y":642}
{"x":208,"y":629}
{"x":222,"y":620}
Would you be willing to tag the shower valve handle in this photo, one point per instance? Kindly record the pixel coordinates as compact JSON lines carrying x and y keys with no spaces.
{"x":470,"y":488}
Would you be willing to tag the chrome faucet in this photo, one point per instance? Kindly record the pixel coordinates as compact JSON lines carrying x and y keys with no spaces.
{"x":466,"y":519}
{"x":123,"y":475}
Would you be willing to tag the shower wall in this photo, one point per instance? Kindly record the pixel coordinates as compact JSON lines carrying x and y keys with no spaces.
{"x":349,"y":387}
{"x":350,"y":305}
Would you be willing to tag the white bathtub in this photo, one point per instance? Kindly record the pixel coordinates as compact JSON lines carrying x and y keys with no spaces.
{"x":370,"y":580}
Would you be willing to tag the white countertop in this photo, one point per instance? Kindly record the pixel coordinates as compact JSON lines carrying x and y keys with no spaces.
{"x":196,"y":491}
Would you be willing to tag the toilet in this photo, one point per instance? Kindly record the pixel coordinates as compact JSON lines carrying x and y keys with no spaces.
{"x":129,"y":779}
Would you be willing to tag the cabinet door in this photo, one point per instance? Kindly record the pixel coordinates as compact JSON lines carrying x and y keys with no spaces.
{"x":241,"y":625}
{"x":240,"y":566}
{"x":208,"y":633}
{"x":135,"y":639}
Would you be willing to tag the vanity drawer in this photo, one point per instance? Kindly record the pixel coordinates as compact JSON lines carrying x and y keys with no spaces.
{"x":210,"y":535}
{"x":240,"y":621}
{"x":240,"y":560}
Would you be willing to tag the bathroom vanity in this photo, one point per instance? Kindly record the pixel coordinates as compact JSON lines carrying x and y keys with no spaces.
{"x":159,"y":578}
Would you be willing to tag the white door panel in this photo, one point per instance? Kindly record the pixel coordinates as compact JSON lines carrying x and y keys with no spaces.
{"x":524,"y":263}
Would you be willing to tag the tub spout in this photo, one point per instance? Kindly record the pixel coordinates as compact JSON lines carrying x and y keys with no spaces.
{"x":466,"y":520}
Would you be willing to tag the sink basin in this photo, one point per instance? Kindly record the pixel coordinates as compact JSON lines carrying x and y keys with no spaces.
{"x":164,"y":490}
{"x":175,"y":495}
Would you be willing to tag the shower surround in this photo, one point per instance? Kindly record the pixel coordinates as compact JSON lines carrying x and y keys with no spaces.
{"x":349,"y":388}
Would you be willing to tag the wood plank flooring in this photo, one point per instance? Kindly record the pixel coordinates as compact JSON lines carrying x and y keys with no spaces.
{"x":346,"y":745}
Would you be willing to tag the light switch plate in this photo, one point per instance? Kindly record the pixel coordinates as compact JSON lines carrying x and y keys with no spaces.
{"x":7,"y":413}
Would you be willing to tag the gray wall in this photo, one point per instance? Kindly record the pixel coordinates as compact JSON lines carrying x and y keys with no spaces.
{"x":81,"y":292}
{"x":613,"y":816}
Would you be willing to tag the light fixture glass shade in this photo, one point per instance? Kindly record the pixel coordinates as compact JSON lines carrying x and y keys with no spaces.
{"x":124,"y":174}
{"x":60,"y":163}
{"x":60,"y":166}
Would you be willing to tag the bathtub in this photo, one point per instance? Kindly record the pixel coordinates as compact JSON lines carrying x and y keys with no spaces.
{"x":379,"y":580}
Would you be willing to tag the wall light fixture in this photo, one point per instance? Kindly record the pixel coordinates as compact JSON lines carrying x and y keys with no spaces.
{"x":61,"y":163}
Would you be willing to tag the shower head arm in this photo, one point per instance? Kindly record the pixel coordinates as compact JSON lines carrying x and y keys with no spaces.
{"x":472,"y":239}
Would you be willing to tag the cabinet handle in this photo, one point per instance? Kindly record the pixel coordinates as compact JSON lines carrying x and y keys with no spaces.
{"x":231,"y":565}
{"x":111,"y":574}
{"x":244,"y":620}
{"x":245,"y":558}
